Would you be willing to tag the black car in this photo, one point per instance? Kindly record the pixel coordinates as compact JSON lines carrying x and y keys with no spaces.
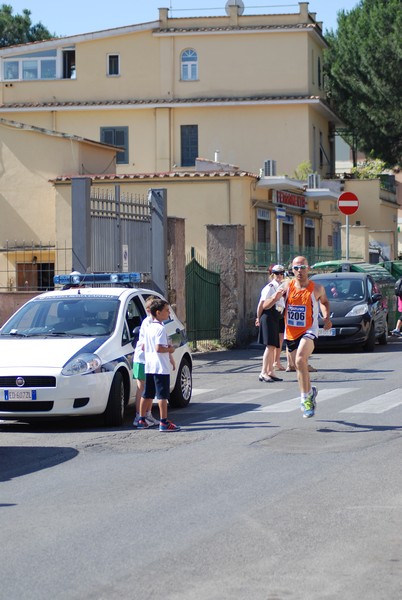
{"x":358,"y":311}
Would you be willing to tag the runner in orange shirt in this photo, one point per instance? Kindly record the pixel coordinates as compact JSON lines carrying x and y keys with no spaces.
{"x":304,"y":299}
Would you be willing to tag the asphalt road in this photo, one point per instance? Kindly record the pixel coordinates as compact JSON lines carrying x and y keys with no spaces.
{"x":248,"y":502}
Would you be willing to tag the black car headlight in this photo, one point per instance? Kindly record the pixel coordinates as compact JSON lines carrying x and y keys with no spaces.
{"x":358,"y":311}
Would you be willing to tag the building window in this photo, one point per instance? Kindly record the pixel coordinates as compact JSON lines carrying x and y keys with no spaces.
{"x":189,"y":65}
{"x":263,"y":226}
{"x":189,"y":145}
{"x":69,"y":71}
{"x":113,"y":64}
{"x":35,"y":276}
{"x":309,"y":233}
{"x":32,"y":66}
{"x":288,"y":231}
{"x":49,"y":64}
{"x":321,"y":152}
{"x":116,"y":136}
{"x":314,"y":161}
{"x":319,"y":73}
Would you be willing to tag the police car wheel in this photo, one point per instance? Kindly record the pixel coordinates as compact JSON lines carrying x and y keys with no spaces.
{"x":114,"y":413}
{"x":181,"y":394}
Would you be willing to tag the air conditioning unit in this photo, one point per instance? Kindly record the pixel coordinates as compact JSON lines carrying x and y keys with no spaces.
{"x":269,"y":168}
{"x":314,"y":181}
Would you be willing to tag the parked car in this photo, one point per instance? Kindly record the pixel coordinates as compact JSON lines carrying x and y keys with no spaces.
{"x":383,"y":278}
{"x":69,"y":352}
{"x":358,"y":311}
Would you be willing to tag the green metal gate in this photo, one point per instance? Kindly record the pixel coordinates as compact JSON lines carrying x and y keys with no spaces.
{"x":203,"y":304}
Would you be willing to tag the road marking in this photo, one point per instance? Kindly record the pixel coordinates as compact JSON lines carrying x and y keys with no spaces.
{"x":378,"y":404}
{"x":198,"y":391}
{"x":294,"y":403}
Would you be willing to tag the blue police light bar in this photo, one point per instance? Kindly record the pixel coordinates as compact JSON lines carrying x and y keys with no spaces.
{"x":91,"y":278}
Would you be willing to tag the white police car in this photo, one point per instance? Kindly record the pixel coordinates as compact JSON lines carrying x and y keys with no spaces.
{"x":69,"y":352}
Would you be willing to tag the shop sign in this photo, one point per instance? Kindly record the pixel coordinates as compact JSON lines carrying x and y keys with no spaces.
{"x":290,"y":199}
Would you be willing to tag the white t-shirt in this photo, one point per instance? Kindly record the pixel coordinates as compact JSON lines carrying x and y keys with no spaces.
{"x":269,"y":290}
{"x":139,"y":354}
{"x":156,"y":362}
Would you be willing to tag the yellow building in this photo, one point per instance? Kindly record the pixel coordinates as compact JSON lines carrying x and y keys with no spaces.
{"x":237,"y":89}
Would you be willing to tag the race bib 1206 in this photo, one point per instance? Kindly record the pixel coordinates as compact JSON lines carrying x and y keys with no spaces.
{"x":296,"y":316}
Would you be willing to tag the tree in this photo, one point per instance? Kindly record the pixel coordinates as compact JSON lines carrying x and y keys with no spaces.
{"x":18,"y":29}
{"x":363,"y":69}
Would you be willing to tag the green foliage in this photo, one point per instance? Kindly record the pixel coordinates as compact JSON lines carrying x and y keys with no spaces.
{"x":18,"y":29}
{"x":369,"y":169}
{"x":363,"y":72}
{"x":303,"y":170}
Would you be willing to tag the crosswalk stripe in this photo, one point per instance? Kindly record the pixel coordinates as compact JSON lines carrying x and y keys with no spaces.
{"x":378,"y":404}
{"x":198,"y":391}
{"x":294,"y":403}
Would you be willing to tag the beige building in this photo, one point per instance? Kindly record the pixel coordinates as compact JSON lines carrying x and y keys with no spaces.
{"x":35,"y":218}
{"x":237,"y":89}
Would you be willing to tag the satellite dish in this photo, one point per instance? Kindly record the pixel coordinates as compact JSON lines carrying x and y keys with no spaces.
{"x":238,"y":3}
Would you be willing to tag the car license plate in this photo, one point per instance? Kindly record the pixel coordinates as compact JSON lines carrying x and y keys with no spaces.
{"x":19,"y":394}
{"x":327,"y":332}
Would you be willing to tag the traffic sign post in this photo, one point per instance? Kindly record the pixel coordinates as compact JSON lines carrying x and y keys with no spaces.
{"x":348,"y":203}
{"x":280,"y":214}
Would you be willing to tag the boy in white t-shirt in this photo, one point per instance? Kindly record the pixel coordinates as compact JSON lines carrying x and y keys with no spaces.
{"x":157,"y":367}
{"x":139,"y":367}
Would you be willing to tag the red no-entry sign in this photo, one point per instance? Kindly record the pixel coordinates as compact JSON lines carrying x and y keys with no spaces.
{"x":348,"y":203}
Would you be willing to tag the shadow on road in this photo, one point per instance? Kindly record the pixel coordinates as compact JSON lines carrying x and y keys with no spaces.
{"x":16,"y":461}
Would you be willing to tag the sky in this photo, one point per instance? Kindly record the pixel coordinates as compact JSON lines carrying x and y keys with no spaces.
{"x":73,"y":17}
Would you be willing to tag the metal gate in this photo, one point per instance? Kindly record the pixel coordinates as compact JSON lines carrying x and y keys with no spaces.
{"x":203,"y":305}
{"x":121,"y":231}
{"x":115,"y":232}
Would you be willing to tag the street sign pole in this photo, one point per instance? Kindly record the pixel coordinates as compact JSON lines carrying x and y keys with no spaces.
{"x":278,"y":240}
{"x":347,"y":237}
{"x":280,"y":214}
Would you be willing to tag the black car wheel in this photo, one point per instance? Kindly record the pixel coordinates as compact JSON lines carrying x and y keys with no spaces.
{"x":383,"y":338}
{"x":369,"y":344}
{"x":114,"y":413}
{"x":181,"y":394}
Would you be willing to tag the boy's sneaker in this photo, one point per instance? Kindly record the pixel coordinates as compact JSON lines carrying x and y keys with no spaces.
{"x":150,"y":419}
{"x":168,"y":426}
{"x":396,"y":332}
{"x":309,"y":404}
{"x":142,"y":424}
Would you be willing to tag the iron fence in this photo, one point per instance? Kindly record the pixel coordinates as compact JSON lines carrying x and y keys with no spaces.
{"x":30,"y":267}
{"x":261,"y":255}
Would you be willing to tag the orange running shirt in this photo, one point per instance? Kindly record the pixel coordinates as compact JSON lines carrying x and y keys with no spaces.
{"x":301,"y":311}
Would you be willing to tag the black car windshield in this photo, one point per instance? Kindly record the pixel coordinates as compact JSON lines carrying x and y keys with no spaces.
{"x":343,"y":289}
{"x":58,"y":316}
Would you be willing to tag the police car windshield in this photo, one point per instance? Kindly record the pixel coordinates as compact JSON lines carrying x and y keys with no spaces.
{"x":78,"y":316}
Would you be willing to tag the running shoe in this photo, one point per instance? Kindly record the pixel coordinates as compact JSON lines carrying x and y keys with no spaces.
{"x":168,"y":426}
{"x":396,"y":332}
{"x":142,"y":424}
{"x":149,"y":419}
{"x":309,"y":404}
